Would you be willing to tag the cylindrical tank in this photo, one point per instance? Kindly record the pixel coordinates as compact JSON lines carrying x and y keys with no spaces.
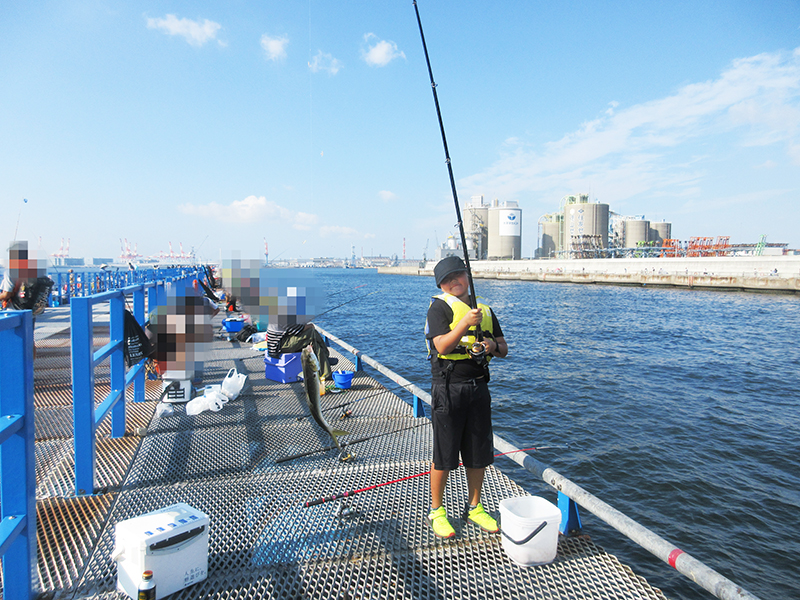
{"x":505,"y":231}
{"x":660,"y":232}
{"x":583,"y":218}
{"x":476,"y":227}
{"x":549,"y":239}
{"x":636,"y":230}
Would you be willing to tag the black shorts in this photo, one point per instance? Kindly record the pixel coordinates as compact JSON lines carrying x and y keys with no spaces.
{"x":462,"y":423}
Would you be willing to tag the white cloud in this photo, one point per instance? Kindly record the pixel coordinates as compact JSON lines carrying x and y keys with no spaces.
{"x":381,"y":52}
{"x":646,"y":147}
{"x":325,"y":62}
{"x":275,"y":47}
{"x":194,"y":32}
{"x":387,"y":196}
{"x":253,"y":209}
{"x":304,"y":221}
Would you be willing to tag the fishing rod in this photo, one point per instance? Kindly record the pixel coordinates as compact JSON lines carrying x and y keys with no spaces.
{"x":478,"y":351}
{"x":460,"y":224}
{"x":342,"y":405}
{"x":341,"y":495}
{"x":374,"y":393}
{"x":346,"y":444}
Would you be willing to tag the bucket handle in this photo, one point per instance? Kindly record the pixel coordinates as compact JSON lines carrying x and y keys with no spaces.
{"x":527,"y":539}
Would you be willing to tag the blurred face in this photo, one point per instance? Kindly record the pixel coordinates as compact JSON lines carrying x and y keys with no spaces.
{"x":456,"y":284}
{"x":277,"y":297}
{"x":21,"y":266}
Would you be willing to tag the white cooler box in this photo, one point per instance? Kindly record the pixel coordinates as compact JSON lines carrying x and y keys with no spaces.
{"x":182,"y":390}
{"x":171,"y":542}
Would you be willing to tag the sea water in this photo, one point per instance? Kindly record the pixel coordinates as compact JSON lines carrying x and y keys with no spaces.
{"x":679,"y":407}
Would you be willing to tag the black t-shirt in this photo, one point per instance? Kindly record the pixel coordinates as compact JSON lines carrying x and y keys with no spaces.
{"x":440,"y":316}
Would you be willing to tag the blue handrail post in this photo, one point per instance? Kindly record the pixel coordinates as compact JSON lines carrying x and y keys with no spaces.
{"x":82,"y":393}
{"x":138,"y":313}
{"x":117,"y":360}
{"x":152,"y":298}
{"x":419,"y":407}
{"x":17,"y":470}
{"x":359,"y":366}
{"x":570,"y":518}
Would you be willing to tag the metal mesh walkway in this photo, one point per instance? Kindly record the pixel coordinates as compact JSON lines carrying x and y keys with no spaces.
{"x":262,"y":543}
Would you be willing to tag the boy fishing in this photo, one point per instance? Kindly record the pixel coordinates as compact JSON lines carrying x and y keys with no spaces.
{"x":461,"y":341}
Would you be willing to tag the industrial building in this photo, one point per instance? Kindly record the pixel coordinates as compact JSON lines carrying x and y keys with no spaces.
{"x":493,"y":231}
{"x":581,"y":229}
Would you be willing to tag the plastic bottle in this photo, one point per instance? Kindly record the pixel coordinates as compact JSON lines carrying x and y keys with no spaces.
{"x":147,"y":587}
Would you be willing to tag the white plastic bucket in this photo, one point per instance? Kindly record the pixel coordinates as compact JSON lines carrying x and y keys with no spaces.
{"x":529,"y":530}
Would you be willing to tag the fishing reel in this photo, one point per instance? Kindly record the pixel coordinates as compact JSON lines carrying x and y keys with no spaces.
{"x":478,"y":353}
{"x":345,"y":456}
{"x":343,"y":511}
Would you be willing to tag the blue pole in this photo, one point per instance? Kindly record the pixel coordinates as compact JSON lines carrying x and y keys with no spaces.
{"x":138,"y":313}
{"x":117,"y":360}
{"x":82,"y":393}
{"x":17,"y":468}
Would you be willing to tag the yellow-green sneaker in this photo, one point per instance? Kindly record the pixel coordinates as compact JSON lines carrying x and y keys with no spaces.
{"x":482,"y":519}
{"x":437,"y":519}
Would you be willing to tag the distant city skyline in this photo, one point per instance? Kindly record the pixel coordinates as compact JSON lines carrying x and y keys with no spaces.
{"x":313,"y":125}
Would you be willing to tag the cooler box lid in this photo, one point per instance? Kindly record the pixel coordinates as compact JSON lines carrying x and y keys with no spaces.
{"x":158,"y":526}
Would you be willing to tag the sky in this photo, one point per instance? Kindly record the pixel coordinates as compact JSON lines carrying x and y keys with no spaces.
{"x":217,"y":126}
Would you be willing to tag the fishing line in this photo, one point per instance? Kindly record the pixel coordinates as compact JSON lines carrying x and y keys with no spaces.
{"x":341,"y":495}
{"x":345,"y":303}
{"x":19,"y":214}
{"x":347,"y":290}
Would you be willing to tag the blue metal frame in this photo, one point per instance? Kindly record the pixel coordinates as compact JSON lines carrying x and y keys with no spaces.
{"x":17,"y":470}
{"x":86,"y":416}
{"x":87,"y":283}
{"x":570,"y":517}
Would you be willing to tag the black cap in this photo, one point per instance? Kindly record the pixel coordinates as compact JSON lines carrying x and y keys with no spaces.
{"x":447,"y":266}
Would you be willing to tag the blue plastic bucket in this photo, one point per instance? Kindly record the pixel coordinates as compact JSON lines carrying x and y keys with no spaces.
{"x":233,"y":325}
{"x":343,"y":379}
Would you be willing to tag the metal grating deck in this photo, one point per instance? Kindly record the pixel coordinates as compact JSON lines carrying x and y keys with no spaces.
{"x":262,"y":543}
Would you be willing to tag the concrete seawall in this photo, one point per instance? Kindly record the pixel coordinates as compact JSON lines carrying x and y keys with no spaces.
{"x":772,"y":274}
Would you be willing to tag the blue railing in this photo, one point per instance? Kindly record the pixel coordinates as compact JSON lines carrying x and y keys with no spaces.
{"x":86,"y":283}
{"x":17,"y":470}
{"x":85,"y":359}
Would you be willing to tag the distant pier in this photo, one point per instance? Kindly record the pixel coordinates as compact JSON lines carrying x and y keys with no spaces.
{"x":772,"y":274}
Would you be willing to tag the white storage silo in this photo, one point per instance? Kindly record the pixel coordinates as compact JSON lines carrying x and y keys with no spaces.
{"x":550,"y":236}
{"x":585,"y":219}
{"x":505,"y":230}
{"x":476,"y":227}
{"x":636,"y":230}
{"x":660,"y":232}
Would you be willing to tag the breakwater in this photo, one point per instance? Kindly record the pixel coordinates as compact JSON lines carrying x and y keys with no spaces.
{"x":772,"y":274}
